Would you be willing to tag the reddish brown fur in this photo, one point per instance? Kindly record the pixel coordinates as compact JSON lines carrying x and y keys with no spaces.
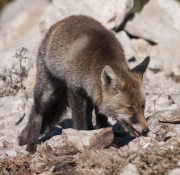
{"x":82,"y":62}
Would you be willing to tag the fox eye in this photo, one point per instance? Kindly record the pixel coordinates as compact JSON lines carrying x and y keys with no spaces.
{"x":130,"y":109}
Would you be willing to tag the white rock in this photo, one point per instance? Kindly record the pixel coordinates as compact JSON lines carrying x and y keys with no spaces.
{"x":111,"y":13}
{"x":126,"y":44}
{"x":155,"y":64}
{"x":129,"y":169}
{"x":164,"y":124}
{"x":176,"y":171}
{"x":141,"y":142}
{"x":141,"y":48}
{"x":175,"y":99}
{"x":158,"y":102}
{"x":9,"y":146}
{"x":160,"y":84}
{"x":168,"y":55}
{"x":72,"y":140}
{"x":164,"y":66}
{"x":12,"y":109}
{"x":157,"y":22}
{"x":163,"y":101}
{"x":20,"y":24}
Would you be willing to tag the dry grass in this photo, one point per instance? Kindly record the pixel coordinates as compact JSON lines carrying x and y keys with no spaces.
{"x":150,"y":161}
{"x":157,"y":161}
{"x":17,"y":165}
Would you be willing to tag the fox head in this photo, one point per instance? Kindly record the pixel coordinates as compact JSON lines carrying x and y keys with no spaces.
{"x":123,"y":98}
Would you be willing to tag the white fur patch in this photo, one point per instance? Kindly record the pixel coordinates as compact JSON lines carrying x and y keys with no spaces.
{"x":122,"y":117}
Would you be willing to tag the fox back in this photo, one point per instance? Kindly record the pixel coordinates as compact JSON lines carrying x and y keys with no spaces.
{"x":81,"y":64}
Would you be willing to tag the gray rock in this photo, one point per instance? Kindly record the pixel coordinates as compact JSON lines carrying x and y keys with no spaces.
{"x":110,"y":13}
{"x":157,"y":22}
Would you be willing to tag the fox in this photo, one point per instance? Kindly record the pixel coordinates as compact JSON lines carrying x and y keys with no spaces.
{"x":82,"y":66}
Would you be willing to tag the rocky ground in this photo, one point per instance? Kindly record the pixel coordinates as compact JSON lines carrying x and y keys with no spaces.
{"x":154,"y":32}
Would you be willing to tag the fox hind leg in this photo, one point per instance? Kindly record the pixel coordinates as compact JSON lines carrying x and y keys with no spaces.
{"x":50,"y":102}
{"x":25,"y":133}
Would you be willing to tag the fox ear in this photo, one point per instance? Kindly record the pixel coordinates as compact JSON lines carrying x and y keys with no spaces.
{"x":141,"y":68}
{"x":110,"y":78}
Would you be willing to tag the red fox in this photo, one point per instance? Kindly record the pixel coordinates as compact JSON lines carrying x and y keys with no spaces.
{"x":81,"y":65}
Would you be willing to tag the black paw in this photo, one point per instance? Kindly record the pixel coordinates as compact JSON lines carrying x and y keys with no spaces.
{"x":31,"y":148}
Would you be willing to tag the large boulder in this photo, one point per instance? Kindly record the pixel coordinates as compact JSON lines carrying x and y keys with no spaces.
{"x":111,"y":13}
{"x":158,"y":22}
{"x":20,"y":24}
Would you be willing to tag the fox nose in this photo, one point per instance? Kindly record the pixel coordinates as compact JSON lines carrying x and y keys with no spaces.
{"x":145,"y":131}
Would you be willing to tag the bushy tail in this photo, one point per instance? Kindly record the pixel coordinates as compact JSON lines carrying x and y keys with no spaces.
{"x":25,"y":133}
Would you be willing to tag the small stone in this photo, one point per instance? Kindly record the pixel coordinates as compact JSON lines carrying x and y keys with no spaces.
{"x":129,"y":169}
{"x":175,"y":99}
{"x":176,"y":171}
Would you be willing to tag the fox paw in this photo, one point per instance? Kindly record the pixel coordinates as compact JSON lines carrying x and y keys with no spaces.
{"x":31,"y":148}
